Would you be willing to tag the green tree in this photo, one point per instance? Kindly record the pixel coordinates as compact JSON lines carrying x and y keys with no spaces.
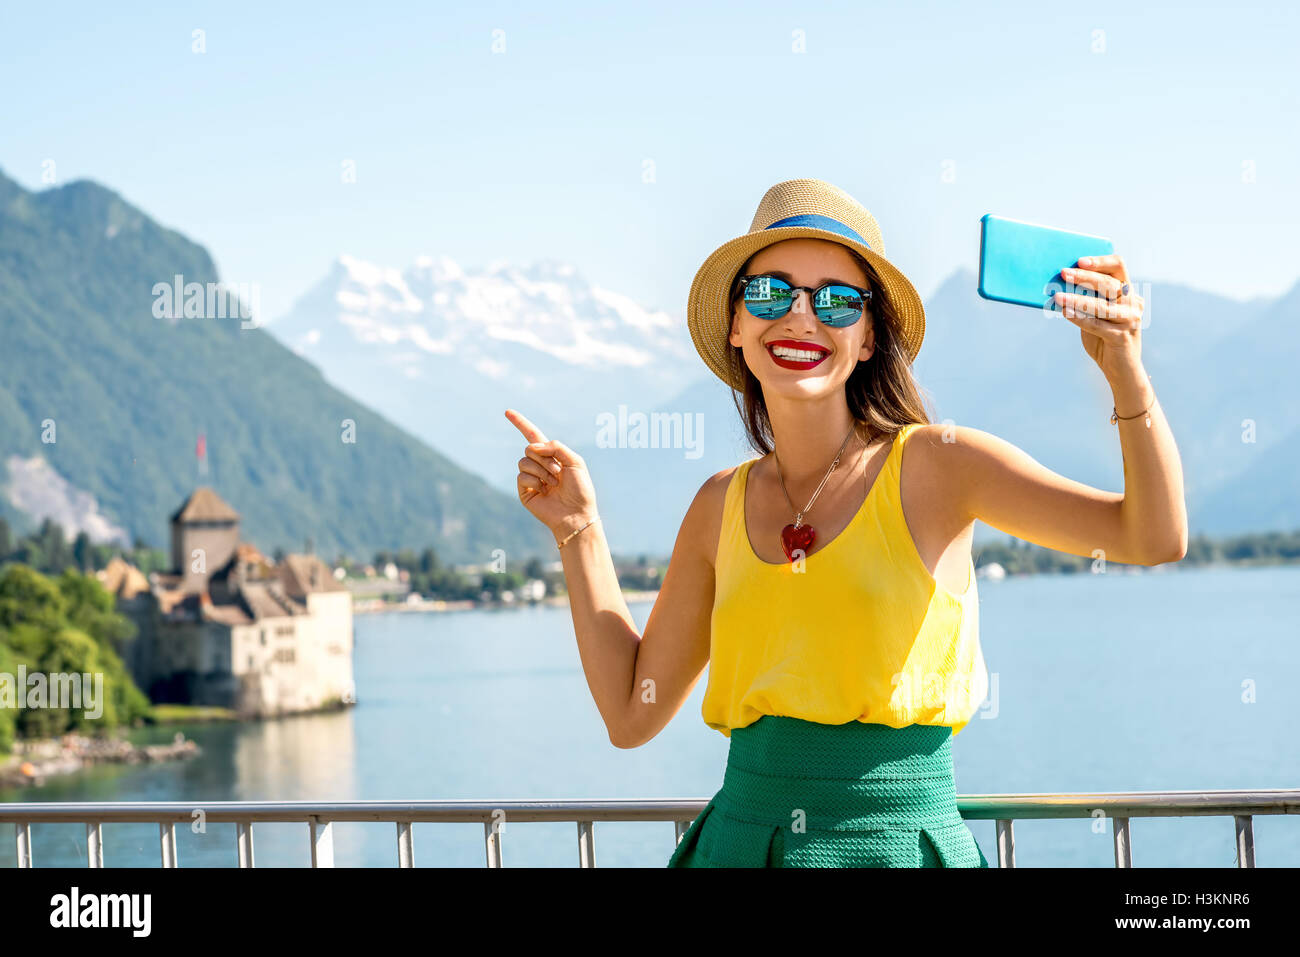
{"x":8,"y":716}
{"x":54,"y":545}
{"x":29,"y":598}
{"x":83,"y":552}
{"x":93,"y":610}
{"x":496,"y":583}
{"x":65,"y":627}
{"x":28,"y":552}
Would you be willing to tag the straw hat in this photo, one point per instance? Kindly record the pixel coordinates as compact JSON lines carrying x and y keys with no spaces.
{"x":796,"y":209}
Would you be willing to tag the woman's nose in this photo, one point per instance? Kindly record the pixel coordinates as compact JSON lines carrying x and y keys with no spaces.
{"x":801,"y":305}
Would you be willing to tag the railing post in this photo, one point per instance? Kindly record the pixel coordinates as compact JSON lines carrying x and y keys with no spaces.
{"x":167,"y":841}
{"x":322,"y":843}
{"x":405,"y":845}
{"x":680,"y":828}
{"x":94,"y":845}
{"x":586,"y":844}
{"x":1245,"y":840}
{"x":1006,"y":843}
{"x":1123,"y":846}
{"x":23,"y":843}
{"x":492,"y":835}
{"x":244,"y":843}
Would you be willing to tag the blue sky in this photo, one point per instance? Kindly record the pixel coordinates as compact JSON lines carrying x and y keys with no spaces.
{"x":539,"y":151}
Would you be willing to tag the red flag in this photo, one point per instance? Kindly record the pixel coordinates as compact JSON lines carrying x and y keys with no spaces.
{"x":201,"y":448}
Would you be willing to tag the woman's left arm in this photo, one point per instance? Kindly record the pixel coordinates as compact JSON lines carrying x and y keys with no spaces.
{"x":1001,"y":485}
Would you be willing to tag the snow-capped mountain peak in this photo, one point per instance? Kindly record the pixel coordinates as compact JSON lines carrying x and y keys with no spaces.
{"x":539,"y":333}
{"x":438,"y":307}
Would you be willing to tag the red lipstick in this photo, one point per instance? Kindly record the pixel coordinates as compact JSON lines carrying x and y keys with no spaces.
{"x":796,"y":354}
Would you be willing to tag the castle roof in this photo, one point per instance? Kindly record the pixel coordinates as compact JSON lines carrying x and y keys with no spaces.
{"x":232,"y":598}
{"x":302,"y":574}
{"x":229,"y":603}
{"x":205,"y":505}
{"x":123,"y":579}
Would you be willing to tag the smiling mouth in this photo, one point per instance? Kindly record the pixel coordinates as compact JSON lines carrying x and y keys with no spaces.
{"x":789,"y":354}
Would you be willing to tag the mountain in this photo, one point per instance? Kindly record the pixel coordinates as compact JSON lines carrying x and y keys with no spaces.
{"x":1261,"y":497}
{"x":104,"y":391}
{"x":443,"y":351}
{"x":1249,"y":425}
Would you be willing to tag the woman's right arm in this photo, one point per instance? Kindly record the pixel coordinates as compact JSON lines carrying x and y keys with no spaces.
{"x":637,"y":681}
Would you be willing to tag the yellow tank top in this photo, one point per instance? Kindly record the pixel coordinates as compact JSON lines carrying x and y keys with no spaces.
{"x":859,"y":630}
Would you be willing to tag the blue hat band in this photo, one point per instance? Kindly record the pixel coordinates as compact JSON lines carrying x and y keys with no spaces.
{"x":817,"y":221}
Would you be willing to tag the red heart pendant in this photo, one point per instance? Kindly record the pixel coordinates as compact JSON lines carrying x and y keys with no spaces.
{"x":800,"y":538}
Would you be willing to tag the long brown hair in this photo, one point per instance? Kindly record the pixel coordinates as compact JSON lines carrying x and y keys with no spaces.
{"x":882,"y":392}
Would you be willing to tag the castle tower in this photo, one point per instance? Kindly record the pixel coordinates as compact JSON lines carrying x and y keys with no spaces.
{"x":205,"y":532}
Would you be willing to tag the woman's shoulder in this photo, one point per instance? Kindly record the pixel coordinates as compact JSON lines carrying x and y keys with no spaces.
{"x":938,"y":438}
{"x":926,"y":431}
{"x":942,"y":459}
{"x":906,"y":436}
{"x":925,"y":443}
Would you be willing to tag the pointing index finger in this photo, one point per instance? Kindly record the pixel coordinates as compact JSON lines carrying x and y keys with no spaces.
{"x":531,"y":432}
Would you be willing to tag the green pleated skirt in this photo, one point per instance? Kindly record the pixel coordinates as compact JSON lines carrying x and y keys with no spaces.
{"x":800,"y":794}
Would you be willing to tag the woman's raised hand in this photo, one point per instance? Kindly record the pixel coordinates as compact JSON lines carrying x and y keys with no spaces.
{"x":553,"y":481}
{"x":1110,"y":323}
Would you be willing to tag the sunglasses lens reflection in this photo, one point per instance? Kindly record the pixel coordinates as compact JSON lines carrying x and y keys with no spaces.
{"x":767,"y":297}
{"x":838,"y":305}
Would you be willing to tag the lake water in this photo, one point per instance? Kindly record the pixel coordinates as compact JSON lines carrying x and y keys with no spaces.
{"x":1110,"y":682}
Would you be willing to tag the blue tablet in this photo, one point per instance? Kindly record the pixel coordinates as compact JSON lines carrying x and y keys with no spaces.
{"x":1022,"y":262}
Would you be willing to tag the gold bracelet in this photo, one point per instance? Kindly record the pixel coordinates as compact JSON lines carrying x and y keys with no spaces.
{"x":1115,"y":417}
{"x":571,"y":534}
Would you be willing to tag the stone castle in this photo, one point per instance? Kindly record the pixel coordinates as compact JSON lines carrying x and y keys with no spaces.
{"x":229,"y":627}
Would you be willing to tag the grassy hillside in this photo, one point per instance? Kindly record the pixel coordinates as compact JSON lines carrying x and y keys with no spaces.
{"x":129,"y":393}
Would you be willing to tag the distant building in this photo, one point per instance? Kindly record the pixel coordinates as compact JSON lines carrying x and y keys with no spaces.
{"x":231,"y":628}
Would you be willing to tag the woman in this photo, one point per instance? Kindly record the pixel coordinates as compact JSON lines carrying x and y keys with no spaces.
{"x":829,"y":583}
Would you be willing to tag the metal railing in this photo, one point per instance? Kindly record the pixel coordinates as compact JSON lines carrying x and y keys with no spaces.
{"x":1004,"y":809}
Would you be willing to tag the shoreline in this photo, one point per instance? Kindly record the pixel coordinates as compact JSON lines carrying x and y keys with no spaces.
{"x":35,"y":761}
{"x":379,"y":607}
